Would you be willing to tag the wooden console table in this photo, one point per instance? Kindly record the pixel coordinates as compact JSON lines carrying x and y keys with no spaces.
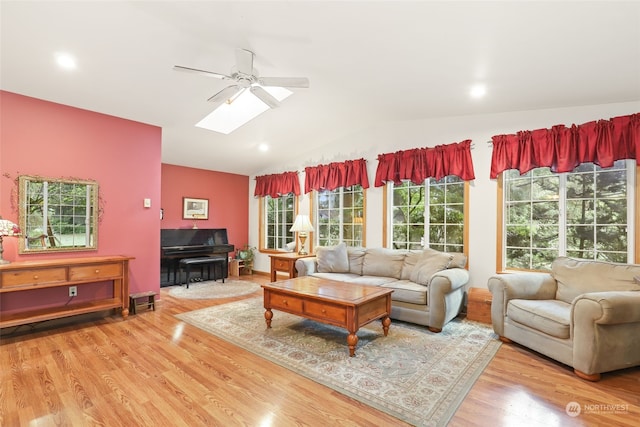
{"x":52,"y":273}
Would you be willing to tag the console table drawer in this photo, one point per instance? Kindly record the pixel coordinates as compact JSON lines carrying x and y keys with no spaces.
{"x":326,"y":311}
{"x":281,"y":264}
{"x":33,"y":277}
{"x":285,"y":302}
{"x":95,"y":272}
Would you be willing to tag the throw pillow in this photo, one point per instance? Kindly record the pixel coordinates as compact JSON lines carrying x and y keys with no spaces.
{"x":431,"y":262}
{"x":291,"y":246}
{"x":459,"y":260}
{"x":333,"y":259}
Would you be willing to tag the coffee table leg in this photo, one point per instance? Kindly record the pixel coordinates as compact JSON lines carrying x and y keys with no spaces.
{"x":268,"y":315}
{"x":386,"y":322}
{"x":352,"y":341}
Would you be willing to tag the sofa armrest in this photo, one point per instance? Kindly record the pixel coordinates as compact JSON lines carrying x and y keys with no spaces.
{"x":306,"y":266}
{"x":445,"y":296}
{"x":446,"y":281}
{"x":505,"y":287}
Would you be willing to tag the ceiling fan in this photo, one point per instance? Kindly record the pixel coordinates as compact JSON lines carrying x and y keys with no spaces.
{"x":246,"y":77}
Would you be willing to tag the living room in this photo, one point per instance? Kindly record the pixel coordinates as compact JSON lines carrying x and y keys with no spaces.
{"x":126,"y":156}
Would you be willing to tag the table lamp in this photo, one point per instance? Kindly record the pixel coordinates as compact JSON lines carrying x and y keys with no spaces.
{"x":7,"y":228}
{"x":302,"y":225}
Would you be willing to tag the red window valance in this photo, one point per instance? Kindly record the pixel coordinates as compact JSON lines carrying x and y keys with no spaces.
{"x":563,"y":148}
{"x":335,"y":175}
{"x":418,"y":164}
{"x":277,"y":185}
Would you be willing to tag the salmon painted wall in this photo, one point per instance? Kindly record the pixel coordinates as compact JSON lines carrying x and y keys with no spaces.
{"x":228,"y":196}
{"x":57,"y":141}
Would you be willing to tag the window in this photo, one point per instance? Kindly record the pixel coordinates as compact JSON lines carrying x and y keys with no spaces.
{"x":339,"y":216}
{"x":432,"y":214}
{"x":586,"y":213}
{"x":277,"y":216}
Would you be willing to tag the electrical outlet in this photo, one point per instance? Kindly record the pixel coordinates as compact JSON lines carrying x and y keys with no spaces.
{"x":73,"y":291}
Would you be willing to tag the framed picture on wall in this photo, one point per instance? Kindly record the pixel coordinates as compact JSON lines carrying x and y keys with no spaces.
{"x":195,"y":208}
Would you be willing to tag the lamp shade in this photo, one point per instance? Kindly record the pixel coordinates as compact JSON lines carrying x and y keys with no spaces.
{"x":302,"y":223}
{"x":8,"y":228}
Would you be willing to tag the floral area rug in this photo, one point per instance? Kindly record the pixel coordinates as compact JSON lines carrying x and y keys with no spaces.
{"x":412,"y":374}
{"x":211,"y":289}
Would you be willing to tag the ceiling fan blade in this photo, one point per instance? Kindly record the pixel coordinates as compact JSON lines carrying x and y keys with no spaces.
{"x":284,"y":81}
{"x":203,"y":72}
{"x":226,"y":93}
{"x":244,"y":61}
{"x":265,"y":96}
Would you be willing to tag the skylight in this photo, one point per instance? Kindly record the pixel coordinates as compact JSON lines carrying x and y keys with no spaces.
{"x":229,"y":116}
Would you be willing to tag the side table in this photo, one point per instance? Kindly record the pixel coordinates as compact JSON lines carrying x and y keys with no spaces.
{"x":285,"y":262}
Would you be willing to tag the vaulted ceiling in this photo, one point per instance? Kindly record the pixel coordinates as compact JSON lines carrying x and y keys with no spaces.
{"x":367,"y":61}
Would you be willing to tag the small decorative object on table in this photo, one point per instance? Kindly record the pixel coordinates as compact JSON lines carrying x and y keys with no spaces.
{"x":7,"y":228}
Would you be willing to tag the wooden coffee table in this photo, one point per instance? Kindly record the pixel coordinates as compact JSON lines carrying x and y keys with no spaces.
{"x":346,"y":305}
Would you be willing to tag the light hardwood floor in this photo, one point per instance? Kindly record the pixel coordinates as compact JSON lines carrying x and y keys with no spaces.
{"x":153,"y":370}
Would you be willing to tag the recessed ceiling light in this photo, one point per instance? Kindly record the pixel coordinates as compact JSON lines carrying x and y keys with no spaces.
{"x":66,"y":61}
{"x":263,"y":147}
{"x":478,"y":91}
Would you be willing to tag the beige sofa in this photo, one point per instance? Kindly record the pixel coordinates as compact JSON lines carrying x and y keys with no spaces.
{"x":428,"y":285}
{"x":585,"y":314}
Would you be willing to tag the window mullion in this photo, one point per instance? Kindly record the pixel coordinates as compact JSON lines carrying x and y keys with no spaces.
{"x":562,"y":214}
{"x":632,"y":194}
{"x":426,"y":216}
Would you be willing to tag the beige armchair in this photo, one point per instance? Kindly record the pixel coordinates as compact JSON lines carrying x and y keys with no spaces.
{"x":585,"y":314}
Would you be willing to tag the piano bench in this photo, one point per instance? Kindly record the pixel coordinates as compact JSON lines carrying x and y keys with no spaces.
{"x":149,"y":303}
{"x":187,"y":263}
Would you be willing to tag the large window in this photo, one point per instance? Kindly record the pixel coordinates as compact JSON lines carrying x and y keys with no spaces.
{"x":339,"y":216}
{"x":432,"y":214}
{"x":587,"y":213}
{"x":277,"y":216}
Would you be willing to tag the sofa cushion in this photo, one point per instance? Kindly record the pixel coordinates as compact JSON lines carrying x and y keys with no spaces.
{"x":431,"y":262}
{"x":410,"y":260}
{"x":406,"y":291}
{"x":547,"y":316}
{"x":356,"y":258}
{"x":371,"y":280}
{"x":340,"y":277}
{"x":383,"y":262}
{"x":576,"y":277}
{"x":332,"y":259}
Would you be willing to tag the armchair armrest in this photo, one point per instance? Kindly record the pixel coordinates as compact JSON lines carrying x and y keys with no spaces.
{"x":604,"y":328}
{"x":505,"y":287}
{"x":306,"y":266}
{"x":607,"y":308}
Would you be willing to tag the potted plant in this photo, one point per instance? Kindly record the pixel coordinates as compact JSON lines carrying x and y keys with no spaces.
{"x":246,"y":255}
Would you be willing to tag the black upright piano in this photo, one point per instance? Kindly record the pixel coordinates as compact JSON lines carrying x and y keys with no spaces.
{"x":176,"y":244}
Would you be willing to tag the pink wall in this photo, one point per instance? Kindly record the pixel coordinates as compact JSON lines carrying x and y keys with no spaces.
{"x":228,"y":196}
{"x":52,"y":140}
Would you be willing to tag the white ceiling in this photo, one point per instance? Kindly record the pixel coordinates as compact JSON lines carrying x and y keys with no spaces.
{"x":367,"y":61}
